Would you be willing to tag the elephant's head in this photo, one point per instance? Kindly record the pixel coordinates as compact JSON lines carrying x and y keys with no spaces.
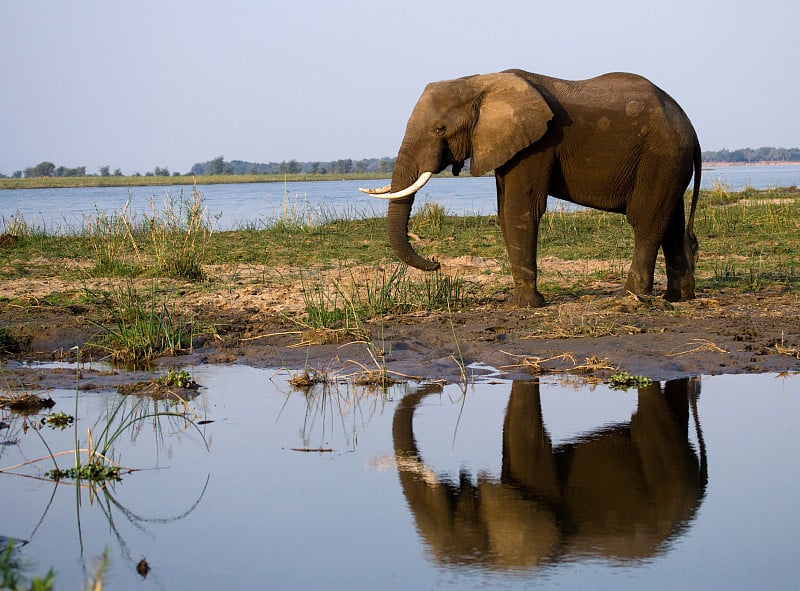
{"x":618,"y":493}
{"x":486,"y":119}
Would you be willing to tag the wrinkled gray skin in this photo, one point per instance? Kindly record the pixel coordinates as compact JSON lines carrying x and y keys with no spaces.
{"x":616,"y":143}
{"x":621,"y":492}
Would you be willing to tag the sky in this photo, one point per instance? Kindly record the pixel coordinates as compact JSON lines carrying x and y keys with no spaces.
{"x":135,"y":85}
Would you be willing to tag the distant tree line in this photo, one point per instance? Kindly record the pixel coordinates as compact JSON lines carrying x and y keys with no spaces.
{"x":382,"y":165}
{"x":48,"y":169}
{"x":219,"y":166}
{"x":750,"y":155}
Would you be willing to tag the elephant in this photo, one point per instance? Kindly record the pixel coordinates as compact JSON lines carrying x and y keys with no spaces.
{"x":620,"y":493}
{"x":616,"y":142}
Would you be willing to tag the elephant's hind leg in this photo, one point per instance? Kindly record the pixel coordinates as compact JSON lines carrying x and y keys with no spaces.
{"x":643,"y":264}
{"x":680,"y":272}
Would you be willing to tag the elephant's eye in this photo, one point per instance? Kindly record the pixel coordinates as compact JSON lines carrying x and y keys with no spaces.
{"x":440,"y":130}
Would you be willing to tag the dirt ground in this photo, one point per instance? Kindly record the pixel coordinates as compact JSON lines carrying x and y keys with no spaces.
{"x":251,"y":318}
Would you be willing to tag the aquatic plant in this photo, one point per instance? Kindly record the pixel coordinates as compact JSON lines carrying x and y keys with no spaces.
{"x":623,"y":380}
{"x":177,"y":377}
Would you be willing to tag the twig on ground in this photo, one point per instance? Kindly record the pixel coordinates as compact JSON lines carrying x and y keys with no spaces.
{"x":700,"y":345}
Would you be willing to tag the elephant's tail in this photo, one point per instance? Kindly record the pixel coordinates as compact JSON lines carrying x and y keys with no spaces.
{"x":690,"y":240}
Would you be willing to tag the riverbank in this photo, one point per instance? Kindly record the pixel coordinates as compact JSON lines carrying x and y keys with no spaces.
{"x":314,"y":298}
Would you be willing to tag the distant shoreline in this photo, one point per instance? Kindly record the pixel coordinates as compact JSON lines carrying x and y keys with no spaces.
{"x":761,"y":163}
{"x":139,"y":181}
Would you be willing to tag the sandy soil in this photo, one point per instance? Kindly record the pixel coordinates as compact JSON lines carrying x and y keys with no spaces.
{"x":248,"y":316}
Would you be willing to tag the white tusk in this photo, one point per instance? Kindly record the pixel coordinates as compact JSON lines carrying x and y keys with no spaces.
{"x":380,"y":191}
{"x":418,"y":184}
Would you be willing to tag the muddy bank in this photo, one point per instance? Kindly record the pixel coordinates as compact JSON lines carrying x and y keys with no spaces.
{"x":730,"y":333}
{"x":720,"y":332}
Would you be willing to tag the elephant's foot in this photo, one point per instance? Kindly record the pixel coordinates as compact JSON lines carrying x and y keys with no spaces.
{"x":679,"y":296}
{"x":680,"y":291}
{"x":636,"y":285}
{"x":528,"y":297}
{"x":682,"y":295}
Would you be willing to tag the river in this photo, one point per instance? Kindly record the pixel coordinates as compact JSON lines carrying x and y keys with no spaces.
{"x":533,"y":484}
{"x":260,"y":204}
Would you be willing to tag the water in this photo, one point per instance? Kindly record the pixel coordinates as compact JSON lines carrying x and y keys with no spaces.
{"x":62,"y":210}
{"x":515,"y":485}
{"x":237,"y":205}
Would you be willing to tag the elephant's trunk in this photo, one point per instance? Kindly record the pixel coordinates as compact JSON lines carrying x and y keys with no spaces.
{"x":397,"y":222}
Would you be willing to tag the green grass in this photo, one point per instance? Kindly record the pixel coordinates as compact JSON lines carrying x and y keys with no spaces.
{"x":391,"y":290}
{"x":143,"y":326}
{"x":753,"y":224}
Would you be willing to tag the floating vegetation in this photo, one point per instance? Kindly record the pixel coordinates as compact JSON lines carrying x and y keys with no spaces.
{"x":92,"y":472}
{"x":623,"y":380}
{"x":379,"y":377}
{"x":25,"y":402}
{"x":179,"y":378}
{"x":177,"y":385}
{"x":307,"y":378}
{"x":59,"y":420}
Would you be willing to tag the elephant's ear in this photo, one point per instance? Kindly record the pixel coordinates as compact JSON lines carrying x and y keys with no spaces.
{"x":513,"y":115}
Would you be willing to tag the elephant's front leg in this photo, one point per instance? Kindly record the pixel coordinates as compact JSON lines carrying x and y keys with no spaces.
{"x":521,"y":202}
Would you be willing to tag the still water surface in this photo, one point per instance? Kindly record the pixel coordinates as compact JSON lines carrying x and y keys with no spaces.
{"x":514,"y":485}
{"x":258,"y":204}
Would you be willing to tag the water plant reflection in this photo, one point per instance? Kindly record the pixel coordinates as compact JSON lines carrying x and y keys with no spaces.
{"x":98,"y":495}
{"x":620,"y":493}
{"x":350,"y":399}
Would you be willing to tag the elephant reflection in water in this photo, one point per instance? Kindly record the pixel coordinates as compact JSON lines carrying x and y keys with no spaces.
{"x":618,"y":493}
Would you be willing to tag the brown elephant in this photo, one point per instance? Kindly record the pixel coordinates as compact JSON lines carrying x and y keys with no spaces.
{"x":616,"y":143}
{"x":619,"y":493}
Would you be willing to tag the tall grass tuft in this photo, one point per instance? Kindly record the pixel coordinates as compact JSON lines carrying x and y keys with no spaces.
{"x":16,"y":231}
{"x":429,"y":220}
{"x":143,"y":327}
{"x":300,"y":217}
{"x":179,"y":234}
{"x":108,"y":234}
{"x":323,"y":308}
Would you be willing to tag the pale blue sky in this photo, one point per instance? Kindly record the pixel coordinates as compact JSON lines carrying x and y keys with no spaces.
{"x":141,"y":84}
